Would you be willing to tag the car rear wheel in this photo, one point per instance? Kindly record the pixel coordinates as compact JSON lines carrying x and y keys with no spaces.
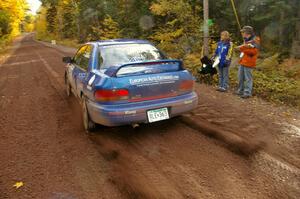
{"x":88,"y":124}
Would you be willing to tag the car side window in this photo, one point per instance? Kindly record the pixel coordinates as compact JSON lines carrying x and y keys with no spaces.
{"x":100,"y":60}
{"x":77,"y":58}
{"x":84,"y":62}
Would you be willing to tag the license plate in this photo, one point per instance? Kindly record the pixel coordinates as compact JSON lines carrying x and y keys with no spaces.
{"x":158,"y":115}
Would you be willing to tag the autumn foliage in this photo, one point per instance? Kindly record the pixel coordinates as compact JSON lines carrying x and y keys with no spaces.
{"x":14,"y":19}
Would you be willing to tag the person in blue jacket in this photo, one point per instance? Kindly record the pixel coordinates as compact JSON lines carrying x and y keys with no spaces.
{"x":222,"y":58}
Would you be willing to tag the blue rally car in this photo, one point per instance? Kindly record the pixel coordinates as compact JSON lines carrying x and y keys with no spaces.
{"x":123,"y":81}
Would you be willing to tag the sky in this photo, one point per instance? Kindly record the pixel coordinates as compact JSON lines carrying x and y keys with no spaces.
{"x":34,"y":5}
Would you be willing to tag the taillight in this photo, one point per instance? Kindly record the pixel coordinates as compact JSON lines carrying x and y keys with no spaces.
{"x":111,"y":95}
{"x":186,"y":85}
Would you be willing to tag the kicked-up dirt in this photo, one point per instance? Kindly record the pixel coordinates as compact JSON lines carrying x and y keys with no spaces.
{"x":43,"y":144}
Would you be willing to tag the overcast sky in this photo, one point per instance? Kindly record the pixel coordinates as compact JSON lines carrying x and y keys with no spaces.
{"x":34,"y":5}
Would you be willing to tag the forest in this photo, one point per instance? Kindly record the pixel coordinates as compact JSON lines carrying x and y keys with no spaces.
{"x":176,"y":27}
{"x":14,"y":19}
{"x":169,"y":22}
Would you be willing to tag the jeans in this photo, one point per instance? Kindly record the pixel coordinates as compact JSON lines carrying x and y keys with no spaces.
{"x":224,"y":77}
{"x":245,"y":80}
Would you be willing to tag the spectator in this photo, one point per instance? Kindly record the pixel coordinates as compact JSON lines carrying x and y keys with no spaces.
{"x":248,"y":57}
{"x":222,"y":57}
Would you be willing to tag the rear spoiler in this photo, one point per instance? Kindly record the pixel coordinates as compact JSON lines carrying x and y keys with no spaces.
{"x":113,"y":71}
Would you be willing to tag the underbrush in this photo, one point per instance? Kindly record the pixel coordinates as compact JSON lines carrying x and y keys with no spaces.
{"x":273,"y":81}
{"x":4,"y":42}
{"x":65,"y":42}
{"x":273,"y":86}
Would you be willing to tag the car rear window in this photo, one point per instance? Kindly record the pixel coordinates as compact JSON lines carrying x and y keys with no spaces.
{"x":115,"y":55}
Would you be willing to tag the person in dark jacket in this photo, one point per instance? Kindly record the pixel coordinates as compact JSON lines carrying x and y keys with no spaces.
{"x":222,"y":58}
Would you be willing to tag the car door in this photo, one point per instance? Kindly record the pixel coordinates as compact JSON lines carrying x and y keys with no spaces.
{"x":75,"y":68}
{"x":82,"y":69}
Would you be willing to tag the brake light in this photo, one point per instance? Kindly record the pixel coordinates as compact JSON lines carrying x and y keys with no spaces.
{"x":186,"y":85}
{"x":111,"y":95}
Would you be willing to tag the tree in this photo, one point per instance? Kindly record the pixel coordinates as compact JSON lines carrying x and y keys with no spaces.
{"x":176,"y":32}
{"x":273,"y":20}
{"x":41,"y":23}
{"x":28,"y":24}
{"x":12,"y":13}
{"x":109,"y":29}
{"x":51,"y":17}
{"x":5,"y":26}
{"x":67,"y":18}
{"x":174,"y":24}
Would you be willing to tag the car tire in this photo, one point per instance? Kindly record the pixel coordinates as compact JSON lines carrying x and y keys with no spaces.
{"x":88,"y":124}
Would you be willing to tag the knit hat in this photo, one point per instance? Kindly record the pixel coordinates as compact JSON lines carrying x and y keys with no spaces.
{"x":247,"y":30}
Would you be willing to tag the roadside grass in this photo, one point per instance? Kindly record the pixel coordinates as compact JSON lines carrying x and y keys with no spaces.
{"x":272,"y":86}
{"x":273,"y":81}
{"x":65,"y":42}
{"x":5,"y":47}
{"x":4,"y":42}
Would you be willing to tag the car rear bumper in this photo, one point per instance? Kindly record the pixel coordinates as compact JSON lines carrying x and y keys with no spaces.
{"x":131,"y":113}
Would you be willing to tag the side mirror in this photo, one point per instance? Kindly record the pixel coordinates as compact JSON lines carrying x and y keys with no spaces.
{"x":67,"y":60}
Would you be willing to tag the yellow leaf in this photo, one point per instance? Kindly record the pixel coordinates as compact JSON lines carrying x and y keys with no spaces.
{"x":18,"y":185}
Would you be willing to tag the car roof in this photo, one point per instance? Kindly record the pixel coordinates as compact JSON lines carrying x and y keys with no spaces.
{"x":121,"y":41}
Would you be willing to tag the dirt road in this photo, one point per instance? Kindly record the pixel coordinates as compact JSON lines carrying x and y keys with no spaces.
{"x":43,"y":145}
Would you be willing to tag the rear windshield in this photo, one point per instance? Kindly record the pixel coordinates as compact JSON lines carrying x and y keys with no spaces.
{"x":115,"y":55}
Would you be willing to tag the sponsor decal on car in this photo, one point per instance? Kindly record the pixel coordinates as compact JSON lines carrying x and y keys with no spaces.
{"x":166,"y":79}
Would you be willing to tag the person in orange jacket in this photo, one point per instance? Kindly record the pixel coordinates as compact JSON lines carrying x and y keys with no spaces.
{"x":249,"y":53}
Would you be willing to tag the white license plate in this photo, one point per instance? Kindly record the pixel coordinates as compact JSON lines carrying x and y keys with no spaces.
{"x":158,"y":115}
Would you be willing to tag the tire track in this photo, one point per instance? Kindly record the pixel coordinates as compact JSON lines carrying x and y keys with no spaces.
{"x":54,"y":77}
